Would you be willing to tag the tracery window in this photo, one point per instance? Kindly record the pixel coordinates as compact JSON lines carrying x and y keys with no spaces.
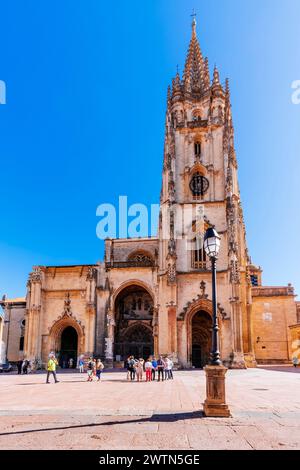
{"x":141,"y":258}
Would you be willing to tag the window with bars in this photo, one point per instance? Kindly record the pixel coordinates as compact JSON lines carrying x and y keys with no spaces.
{"x":199,"y":260}
{"x":197,"y":149}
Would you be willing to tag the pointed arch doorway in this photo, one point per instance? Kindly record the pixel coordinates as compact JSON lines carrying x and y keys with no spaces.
{"x":133,"y":323}
{"x":68,"y":347}
{"x":201,"y":339}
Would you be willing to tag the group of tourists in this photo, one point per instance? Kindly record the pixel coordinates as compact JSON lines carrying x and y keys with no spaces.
{"x":94,"y":369}
{"x":24,"y":367}
{"x":163,"y":366}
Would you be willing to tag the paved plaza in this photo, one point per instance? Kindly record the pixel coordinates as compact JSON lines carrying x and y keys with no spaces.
{"x":116,"y":414}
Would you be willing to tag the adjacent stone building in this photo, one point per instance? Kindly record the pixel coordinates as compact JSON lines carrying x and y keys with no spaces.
{"x":12,"y":329}
{"x":153,"y":295}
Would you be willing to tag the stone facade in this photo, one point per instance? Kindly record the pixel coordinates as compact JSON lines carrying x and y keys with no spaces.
{"x":154,"y":295}
{"x":12,"y":329}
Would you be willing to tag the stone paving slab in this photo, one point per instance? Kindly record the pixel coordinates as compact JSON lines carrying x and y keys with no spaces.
{"x":117,"y":414}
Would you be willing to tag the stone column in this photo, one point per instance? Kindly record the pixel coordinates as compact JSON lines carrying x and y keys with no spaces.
{"x":250,"y":356}
{"x":172,"y":321}
{"x":91,"y":309}
{"x":155,"y":331}
{"x":109,"y":340}
{"x":238,"y":360}
{"x":34,"y":333}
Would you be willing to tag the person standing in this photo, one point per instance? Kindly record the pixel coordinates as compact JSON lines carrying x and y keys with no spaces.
{"x":19,"y":366}
{"x":90,"y":369}
{"x":99,"y":369}
{"x":166,"y":368}
{"x":51,"y":368}
{"x":148,"y":368}
{"x":154,"y":367}
{"x":160,"y":368}
{"x":139,"y":368}
{"x":127,"y":366}
{"x":171,"y":364}
{"x":71,"y":363}
{"x":25,"y":366}
{"x":81,"y":364}
{"x":132,"y":368}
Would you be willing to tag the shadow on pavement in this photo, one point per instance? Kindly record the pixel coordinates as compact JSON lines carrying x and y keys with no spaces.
{"x":281,"y":369}
{"x":156,"y":418}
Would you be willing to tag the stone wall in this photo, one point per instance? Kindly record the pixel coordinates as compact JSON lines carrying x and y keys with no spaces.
{"x":274,"y":310}
{"x":12,"y":329}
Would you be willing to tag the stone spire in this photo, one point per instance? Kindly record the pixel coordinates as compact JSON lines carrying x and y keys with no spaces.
{"x":196,"y":74}
{"x":216,"y":87}
{"x":216,"y":79}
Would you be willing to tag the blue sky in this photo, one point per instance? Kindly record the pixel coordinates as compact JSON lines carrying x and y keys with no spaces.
{"x":84,"y":120}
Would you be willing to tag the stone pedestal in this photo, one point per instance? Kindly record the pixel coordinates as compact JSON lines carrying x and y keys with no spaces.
{"x":215,"y":405}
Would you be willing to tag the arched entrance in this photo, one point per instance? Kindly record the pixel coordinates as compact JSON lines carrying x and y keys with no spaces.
{"x":68,"y":347}
{"x":133,"y":323}
{"x":201,"y":339}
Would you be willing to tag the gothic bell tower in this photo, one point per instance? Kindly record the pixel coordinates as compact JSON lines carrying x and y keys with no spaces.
{"x":200,"y":189}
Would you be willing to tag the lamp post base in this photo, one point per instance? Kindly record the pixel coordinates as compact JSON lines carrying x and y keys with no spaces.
{"x":215,"y":405}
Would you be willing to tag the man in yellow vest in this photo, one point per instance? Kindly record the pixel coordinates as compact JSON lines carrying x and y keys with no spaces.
{"x":51,"y":367}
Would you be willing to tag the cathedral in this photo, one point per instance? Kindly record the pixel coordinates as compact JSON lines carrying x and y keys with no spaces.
{"x":154,"y":295}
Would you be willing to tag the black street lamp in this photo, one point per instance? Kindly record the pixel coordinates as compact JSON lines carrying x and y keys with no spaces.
{"x":212,"y":242}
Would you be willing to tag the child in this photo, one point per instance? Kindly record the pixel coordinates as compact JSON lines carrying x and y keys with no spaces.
{"x":148,"y":368}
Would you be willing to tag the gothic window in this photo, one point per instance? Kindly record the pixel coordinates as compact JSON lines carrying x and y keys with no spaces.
{"x":21,"y":346}
{"x":198,"y":254}
{"x":139,"y":304}
{"x":197,"y":149}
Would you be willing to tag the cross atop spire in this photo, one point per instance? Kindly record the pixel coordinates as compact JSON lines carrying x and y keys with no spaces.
{"x":194,"y":22}
{"x":196,"y":72}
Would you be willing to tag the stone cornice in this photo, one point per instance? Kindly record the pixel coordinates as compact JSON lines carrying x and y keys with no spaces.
{"x":284,"y":291}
